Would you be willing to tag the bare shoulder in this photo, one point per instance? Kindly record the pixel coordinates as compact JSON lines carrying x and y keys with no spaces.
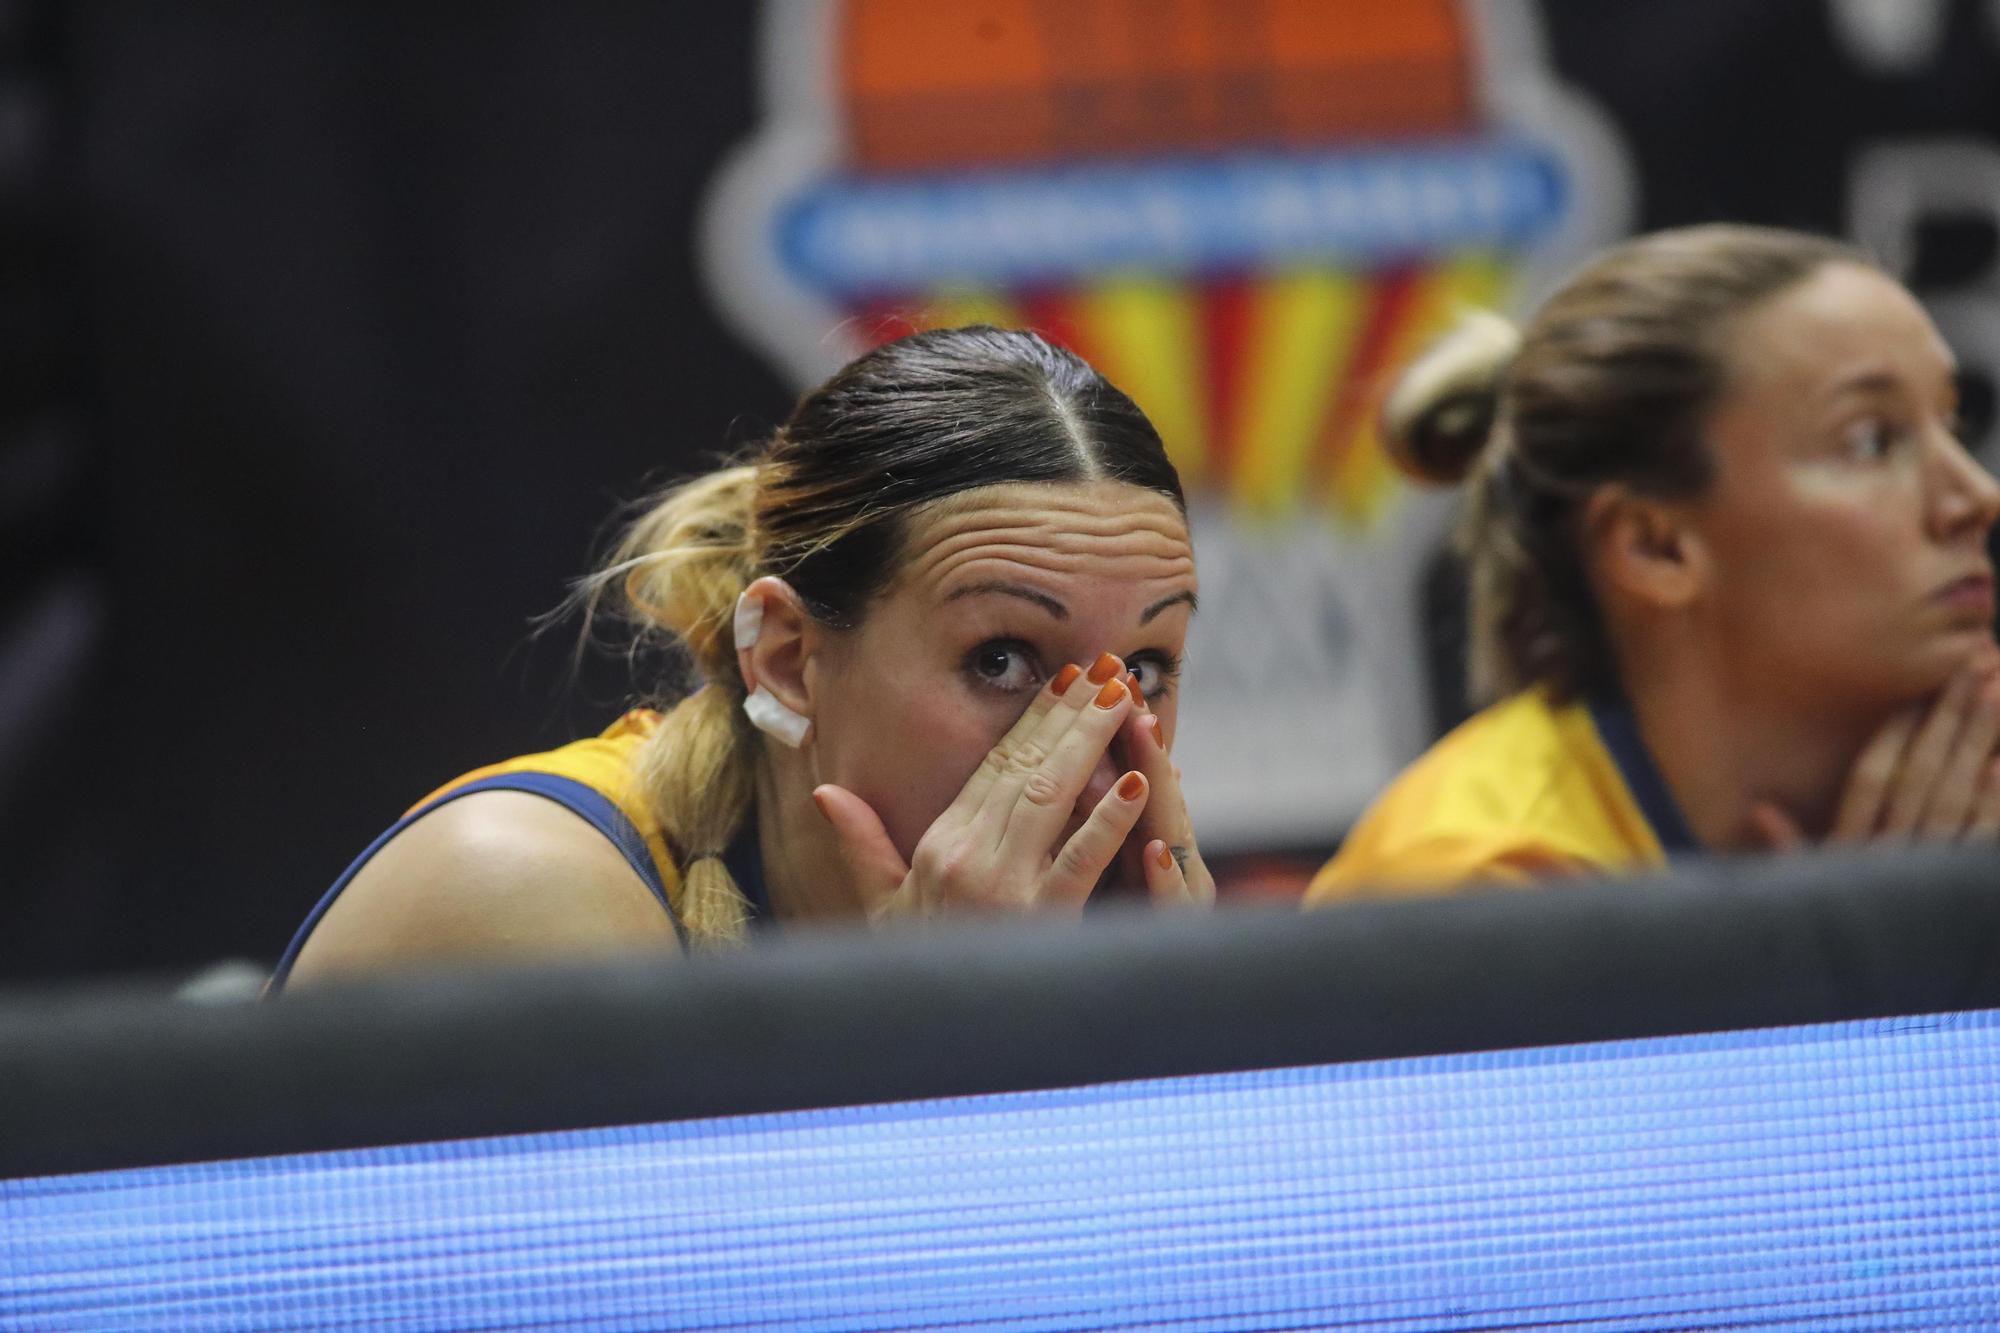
{"x":494,"y":876}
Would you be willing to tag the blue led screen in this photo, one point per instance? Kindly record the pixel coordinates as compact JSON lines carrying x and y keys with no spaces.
{"x":1829,"y":1177}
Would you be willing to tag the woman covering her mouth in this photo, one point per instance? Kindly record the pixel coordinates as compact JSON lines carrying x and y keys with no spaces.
{"x":1730,"y":587}
{"x":936,"y":622}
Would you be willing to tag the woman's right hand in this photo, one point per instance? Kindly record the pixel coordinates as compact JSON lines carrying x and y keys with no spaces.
{"x":998,"y":847}
{"x":1930,"y":773}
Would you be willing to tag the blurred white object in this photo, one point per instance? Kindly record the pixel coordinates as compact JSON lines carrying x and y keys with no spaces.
{"x":231,"y":981}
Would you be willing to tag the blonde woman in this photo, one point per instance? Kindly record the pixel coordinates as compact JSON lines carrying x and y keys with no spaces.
{"x":1730,"y":585}
{"x":937,"y":623}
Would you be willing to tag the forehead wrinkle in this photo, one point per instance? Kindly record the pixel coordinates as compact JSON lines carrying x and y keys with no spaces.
{"x":1140,"y":566}
{"x":1060,"y":531}
{"x":1055,"y":544}
{"x":1085,"y":521}
{"x":1156,"y":544}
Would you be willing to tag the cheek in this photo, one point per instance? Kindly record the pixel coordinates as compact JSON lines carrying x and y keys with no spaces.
{"x":1833,"y":576}
{"x":912,"y":768}
{"x":1808,"y":553}
{"x":1809,"y":529}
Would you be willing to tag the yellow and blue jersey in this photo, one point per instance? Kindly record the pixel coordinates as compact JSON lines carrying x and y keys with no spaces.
{"x":596,"y":779}
{"x":1525,"y":789}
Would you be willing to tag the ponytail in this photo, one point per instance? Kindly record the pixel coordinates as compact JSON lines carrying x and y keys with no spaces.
{"x":677,"y":572}
{"x":1441,"y":426}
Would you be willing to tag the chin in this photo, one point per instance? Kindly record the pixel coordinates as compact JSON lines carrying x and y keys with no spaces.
{"x":1924,"y":672}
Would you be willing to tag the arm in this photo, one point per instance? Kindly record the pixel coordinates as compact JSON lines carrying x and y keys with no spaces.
{"x":497,"y":876}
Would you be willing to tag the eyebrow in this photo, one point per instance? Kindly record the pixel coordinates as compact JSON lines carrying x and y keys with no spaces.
{"x":1055,"y":608}
{"x":1867,"y":381}
{"x":1041,"y":599}
{"x":1881,"y":381}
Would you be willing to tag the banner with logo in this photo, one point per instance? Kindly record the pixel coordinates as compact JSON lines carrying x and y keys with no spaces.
{"x":1247,"y":213}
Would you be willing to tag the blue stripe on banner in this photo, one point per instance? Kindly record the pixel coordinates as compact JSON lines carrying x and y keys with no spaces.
{"x":1829,"y":1177}
{"x":855,"y":237}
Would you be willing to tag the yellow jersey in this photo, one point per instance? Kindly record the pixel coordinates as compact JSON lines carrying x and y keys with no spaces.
{"x":1525,"y":789}
{"x":596,"y":779}
{"x":604,"y":763}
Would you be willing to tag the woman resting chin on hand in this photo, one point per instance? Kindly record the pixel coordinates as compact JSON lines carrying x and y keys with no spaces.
{"x":1730,"y":584}
{"x":939,"y":620}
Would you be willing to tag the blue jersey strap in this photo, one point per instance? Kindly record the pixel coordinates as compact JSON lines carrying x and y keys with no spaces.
{"x":586,"y":802}
{"x":1619,"y":730}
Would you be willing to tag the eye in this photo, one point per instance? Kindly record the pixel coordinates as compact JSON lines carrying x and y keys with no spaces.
{"x":1871,"y":439}
{"x":1006,"y":665}
{"x":1155,"y":672}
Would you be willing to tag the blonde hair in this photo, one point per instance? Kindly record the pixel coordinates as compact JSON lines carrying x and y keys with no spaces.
{"x":676,"y":573}
{"x":825,"y":506}
{"x":1610,"y":382}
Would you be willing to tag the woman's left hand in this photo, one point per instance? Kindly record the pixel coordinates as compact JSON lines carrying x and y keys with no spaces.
{"x":1175,"y":874}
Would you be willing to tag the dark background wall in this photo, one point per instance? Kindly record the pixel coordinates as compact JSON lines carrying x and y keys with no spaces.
{"x":332,"y":332}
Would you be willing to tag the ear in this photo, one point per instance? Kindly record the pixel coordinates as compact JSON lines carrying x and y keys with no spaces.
{"x":1645,"y":550}
{"x":774,"y":642}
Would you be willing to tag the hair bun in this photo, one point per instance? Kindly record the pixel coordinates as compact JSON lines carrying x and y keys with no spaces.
{"x":1437,"y":417}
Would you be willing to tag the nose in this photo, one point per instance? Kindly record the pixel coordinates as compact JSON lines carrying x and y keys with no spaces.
{"x":1965,"y":498}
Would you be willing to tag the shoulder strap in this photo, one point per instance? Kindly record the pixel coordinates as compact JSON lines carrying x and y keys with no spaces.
{"x":590,"y":805}
{"x":1619,"y":730}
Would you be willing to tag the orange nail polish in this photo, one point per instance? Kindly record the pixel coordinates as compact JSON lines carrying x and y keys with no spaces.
{"x":1132,"y":684}
{"x":1104,"y":668}
{"x":1130,"y":786}
{"x":1065,"y":678}
{"x":1165,"y":858}
{"x":1113,"y":691}
{"x":1159,"y":735}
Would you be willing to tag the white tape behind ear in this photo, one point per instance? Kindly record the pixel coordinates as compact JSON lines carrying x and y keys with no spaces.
{"x":749,"y":619}
{"x":775,"y":719}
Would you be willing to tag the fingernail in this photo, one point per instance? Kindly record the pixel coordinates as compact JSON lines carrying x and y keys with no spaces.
{"x":1113,"y":691}
{"x":1104,"y":668}
{"x":1165,"y":858}
{"x":1159,"y":736}
{"x":1132,"y":684}
{"x":819,"y":804}
{"x":1130,"y":787}
{"x":1065,"y":678}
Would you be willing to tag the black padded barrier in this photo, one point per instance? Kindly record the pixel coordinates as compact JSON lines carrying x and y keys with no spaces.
{"x":827,"y":1018}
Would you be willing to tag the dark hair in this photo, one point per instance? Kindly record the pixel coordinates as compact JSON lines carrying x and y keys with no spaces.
{"x":826,"y":505}
{"x":919,"y":420}
{"x":1610,"y":382}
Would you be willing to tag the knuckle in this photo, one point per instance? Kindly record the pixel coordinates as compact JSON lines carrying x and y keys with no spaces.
{"x":1043,"y":788}
{"x":954,"y":867}
{"x":933,"y":861}
{"x":1015,"y":758}
{"x":1075,"y":861}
